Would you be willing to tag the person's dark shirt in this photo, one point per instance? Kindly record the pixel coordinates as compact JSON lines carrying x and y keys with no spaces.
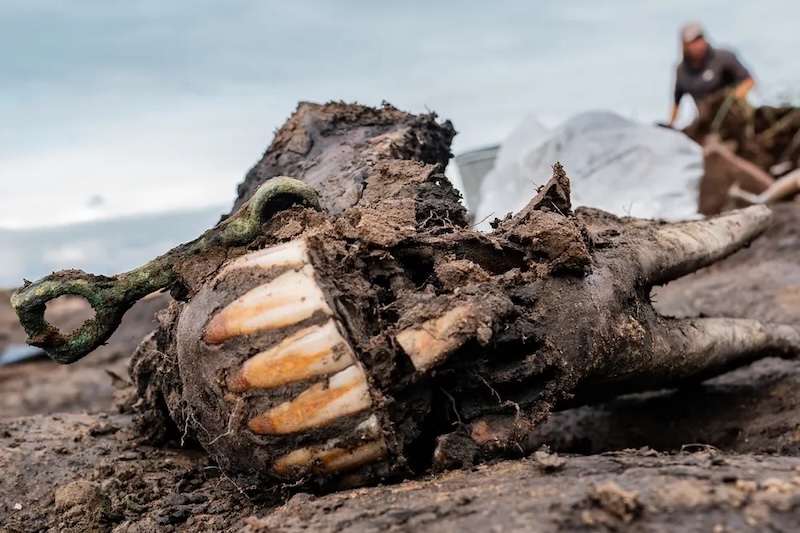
{"x":720,"y":69}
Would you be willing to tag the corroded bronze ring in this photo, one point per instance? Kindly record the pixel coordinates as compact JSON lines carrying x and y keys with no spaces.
{"x":111,"y":297}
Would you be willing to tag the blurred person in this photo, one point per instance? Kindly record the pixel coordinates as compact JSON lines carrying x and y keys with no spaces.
{"x":705,"y":70}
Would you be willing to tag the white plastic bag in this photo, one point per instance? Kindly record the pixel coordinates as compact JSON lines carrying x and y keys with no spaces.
{"x":613,"y":164}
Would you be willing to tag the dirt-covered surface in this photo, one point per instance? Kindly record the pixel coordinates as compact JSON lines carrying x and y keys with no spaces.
{"x":97,"y":480}
{"x":721,"y":456}
{"x":743,"y":146}
{"x":765,"y":136}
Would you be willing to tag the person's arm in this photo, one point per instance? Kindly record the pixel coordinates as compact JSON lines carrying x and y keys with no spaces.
{"x":744,"y":87}
{"x":744,"y":80}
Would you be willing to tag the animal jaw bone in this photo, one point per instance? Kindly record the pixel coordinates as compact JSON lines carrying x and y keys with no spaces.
{"x":455,"y":342}
{"x":307,"y":386}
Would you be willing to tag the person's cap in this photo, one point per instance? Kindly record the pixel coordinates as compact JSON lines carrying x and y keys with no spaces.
{"x":691,"y":31}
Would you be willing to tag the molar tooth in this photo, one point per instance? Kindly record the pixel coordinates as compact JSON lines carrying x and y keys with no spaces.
{"x":288,"y":299}
{"x":436,"y":338}
{"x":346,"y":393}
{"x":288,"y":254}
{"x":330,"y":458}
{"x":311,"y":352}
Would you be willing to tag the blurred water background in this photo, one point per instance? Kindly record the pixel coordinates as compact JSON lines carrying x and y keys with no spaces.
{"x":125,"y":126}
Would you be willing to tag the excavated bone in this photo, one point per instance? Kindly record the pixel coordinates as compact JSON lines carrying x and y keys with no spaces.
{"x":379,"y":336}
{"x":559,"y":315}
{"x":461,"y":373}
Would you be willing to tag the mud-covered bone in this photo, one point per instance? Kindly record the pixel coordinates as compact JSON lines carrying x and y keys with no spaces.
{"x":439,"y":346}
{"x":383,"y":337}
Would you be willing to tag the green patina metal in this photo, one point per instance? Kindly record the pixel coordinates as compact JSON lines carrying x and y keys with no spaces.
{"x":111,"y":297}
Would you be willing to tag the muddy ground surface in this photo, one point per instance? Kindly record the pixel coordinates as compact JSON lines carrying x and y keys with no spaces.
{"x":128,"y":488}
{"x":746,"y":148}
{"x":41,"y":386}
{"x":720,"y":456}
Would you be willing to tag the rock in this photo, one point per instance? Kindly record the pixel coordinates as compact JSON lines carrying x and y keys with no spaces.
{"x":617,"y":501}
{"x":76,"y":493}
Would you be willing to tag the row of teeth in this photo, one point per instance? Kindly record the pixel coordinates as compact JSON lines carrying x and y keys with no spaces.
{"x":313,"y":352}
{"x":310,"y":353}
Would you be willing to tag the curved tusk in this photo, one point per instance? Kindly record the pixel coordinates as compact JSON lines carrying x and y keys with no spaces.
{"x":680,"y":249}
{"x":700,"y":348}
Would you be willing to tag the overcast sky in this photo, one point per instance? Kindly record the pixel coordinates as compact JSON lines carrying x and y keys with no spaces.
{"x":111,"y":107}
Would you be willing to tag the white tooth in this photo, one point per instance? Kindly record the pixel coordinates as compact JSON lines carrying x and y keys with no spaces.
{"x":288,"y":254}
{"x":436,"y":338}
{"x":311,"y":352}
{"x":366,"y":453}
{"x":346,"y":393}
{"x":329,"y":458}
{"x":289,"y":299}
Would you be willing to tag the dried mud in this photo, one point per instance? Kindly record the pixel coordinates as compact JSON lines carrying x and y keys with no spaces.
{"x":701,"y":458}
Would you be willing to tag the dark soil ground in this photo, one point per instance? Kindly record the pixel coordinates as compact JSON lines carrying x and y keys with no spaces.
{"x":721,"y":456}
